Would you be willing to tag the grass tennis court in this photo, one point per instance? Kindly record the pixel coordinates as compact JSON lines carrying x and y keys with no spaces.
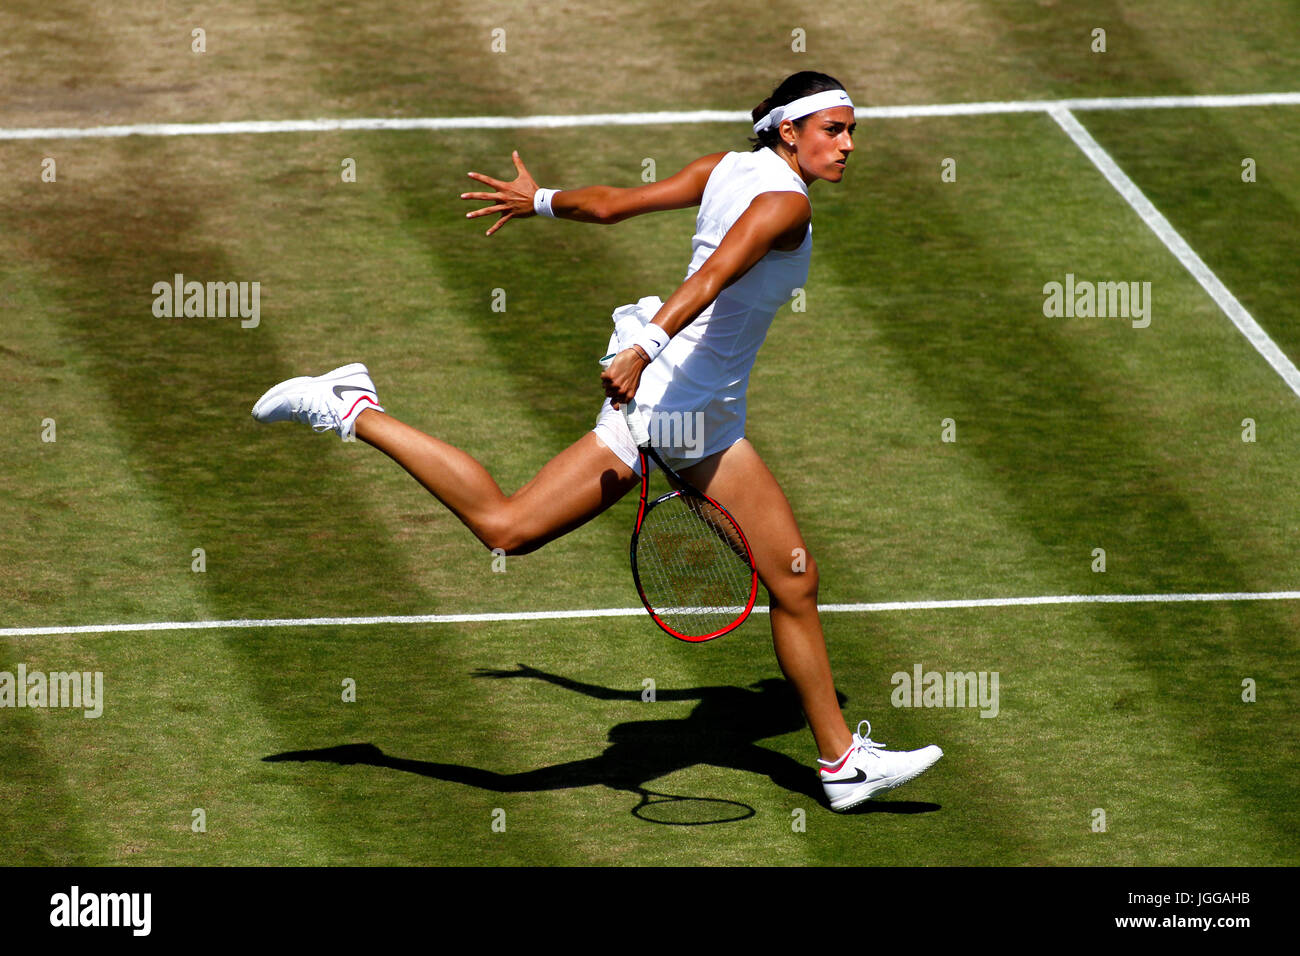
{"x":925,"y":304}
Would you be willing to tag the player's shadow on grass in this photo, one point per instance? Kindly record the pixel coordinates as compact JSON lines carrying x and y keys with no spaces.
{"x":721,"y":731}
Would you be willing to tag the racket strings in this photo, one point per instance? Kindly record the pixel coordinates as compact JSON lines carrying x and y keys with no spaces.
{"x":693,"y":565}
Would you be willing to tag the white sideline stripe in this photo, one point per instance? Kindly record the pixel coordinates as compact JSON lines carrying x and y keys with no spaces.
{"x":376,"y":123}
{"x":1175,"y":243}
{"x":639,"y":119}
{"x":1092,"y":103}
{"x":634,"y":612}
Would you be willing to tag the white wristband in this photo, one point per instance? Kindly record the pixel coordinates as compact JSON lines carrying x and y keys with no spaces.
{"x":652,"y":340}
{"x":542,"y":202}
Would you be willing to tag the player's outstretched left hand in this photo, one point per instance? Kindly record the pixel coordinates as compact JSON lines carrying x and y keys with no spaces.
{"x":514,"y":200}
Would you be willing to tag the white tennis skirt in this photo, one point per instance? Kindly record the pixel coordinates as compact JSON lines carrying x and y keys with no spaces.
{"x":687,"y":421}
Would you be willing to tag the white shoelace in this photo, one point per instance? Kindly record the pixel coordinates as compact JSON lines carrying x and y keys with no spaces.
{"x":863,"y":741}
{"x":321,"y":419}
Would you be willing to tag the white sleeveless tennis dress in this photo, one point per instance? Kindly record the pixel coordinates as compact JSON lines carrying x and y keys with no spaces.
{"x":693,"y":394}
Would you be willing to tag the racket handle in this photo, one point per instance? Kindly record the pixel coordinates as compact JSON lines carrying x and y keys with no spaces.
{"x":636,"y":423}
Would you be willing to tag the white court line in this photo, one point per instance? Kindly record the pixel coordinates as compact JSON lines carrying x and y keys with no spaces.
{"x":639,"y":119}
{"x":1175,"y":243}
{"x":374,"y":123}
{"x":635,"y":612}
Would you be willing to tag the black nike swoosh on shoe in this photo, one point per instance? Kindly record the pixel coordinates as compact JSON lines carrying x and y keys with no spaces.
{"x":860,"y":778}
{"x":340,"y":389}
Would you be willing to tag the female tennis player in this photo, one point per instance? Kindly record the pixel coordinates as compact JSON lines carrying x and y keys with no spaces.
{"x":752,"y":247}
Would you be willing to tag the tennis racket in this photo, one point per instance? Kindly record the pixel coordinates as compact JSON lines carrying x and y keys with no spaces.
{"x":692,"y":566}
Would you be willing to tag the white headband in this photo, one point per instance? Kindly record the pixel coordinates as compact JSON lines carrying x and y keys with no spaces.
{"x":802,"y":107}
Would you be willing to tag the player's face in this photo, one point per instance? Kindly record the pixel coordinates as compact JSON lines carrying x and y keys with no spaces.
{"x":824,"y":143}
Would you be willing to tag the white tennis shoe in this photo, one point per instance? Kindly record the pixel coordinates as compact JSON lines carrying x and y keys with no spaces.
{"x":329,"y":402}
{"x":867,"y":769}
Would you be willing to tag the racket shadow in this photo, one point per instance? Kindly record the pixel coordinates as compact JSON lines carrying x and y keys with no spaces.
{"x":722,"y":730}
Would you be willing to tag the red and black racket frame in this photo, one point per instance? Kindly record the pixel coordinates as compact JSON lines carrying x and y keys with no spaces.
{"x":642,"y":508}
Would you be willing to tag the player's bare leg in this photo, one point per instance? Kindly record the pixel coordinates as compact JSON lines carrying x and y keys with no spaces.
{"x":571,"y":489}
{"x":739,"y":478}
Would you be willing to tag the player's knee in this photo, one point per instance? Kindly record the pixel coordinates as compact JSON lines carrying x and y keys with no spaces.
{"x":797,"y":585}
{"x":501,"y":534}
{"x":509,"y":543}
{"x":498,"y":535}
{"x":505,"y":543}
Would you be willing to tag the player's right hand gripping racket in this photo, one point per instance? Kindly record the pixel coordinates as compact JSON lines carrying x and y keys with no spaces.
{"x":691,"y":563}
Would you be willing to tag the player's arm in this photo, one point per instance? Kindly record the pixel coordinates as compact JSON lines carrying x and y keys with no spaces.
{"x":772,"y":219}
{"x":611,"y":204}
{"x":600,"y":204}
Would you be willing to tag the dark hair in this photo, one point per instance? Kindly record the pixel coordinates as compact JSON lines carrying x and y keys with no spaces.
{"x":793,"y":87}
